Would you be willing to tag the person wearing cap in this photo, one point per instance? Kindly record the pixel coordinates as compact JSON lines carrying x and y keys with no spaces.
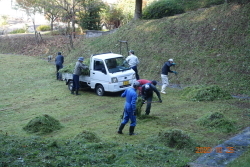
{"x":59,"y":60}
{"x":144,"y":81}
{"x":129,"y":112}
{"x":77,"y":72}
{"x":133,"y":61}
{"x":147,"y":94}
{"x":164,"y":74}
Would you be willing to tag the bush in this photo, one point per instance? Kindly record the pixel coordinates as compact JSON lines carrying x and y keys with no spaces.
{"x":17,"y":31}
{"x":162,"y":8}
{"x":43,"y":28}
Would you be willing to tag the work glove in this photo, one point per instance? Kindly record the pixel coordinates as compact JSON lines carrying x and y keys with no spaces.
{"x":160,"y":101}
{"x":175,"y":72}
{"x":173,"y":64}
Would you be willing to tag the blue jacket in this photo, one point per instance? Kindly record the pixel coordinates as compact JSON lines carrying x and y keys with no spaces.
{"x":166,"y":68}
{"x":131,"y":97}
{"x":59,"y":60}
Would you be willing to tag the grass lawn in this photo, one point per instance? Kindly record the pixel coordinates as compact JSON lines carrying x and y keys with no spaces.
{"x":29,"y":89}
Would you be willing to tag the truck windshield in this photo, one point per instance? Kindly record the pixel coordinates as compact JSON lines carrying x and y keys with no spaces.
{"x":117,"y":64}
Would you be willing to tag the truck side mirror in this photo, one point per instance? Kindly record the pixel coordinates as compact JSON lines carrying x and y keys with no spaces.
{"x":104,"y":71}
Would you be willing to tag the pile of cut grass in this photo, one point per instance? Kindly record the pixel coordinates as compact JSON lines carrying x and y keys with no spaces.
{"x":218,"y":121}
{"x":88,"y":136}
{"x":70,"y":68}
{"x":205,"y":93}
{"x":43,"y":124}
{"x":176,"y":138}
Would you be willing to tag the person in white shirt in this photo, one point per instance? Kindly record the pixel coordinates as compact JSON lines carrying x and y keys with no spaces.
{"x":133,"y":62}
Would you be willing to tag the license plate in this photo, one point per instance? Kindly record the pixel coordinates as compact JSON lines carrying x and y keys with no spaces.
{"x":125,"y":82}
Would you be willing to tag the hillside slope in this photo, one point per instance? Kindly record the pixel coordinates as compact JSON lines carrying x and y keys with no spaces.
{"x":210,"y":46}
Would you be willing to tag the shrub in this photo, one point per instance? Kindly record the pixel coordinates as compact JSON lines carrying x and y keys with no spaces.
{"x":162,"y":8}
{"x":17,"y":31}
{"x":43,"y":28}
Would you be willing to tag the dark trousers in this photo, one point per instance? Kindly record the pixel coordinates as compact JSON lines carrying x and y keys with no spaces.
{"x":58,"y":67}
{"x":136,"y":72}
{"x":149,"y":100}
{"x":76,"y":85}
{"x":129,"y":115}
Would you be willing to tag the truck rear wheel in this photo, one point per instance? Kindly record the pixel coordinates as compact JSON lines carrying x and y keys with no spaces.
{"x":99,"y":90}
{"x":70,"y":85}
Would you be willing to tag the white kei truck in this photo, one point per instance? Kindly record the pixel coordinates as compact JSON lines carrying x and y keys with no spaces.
{"x":108,"y":72}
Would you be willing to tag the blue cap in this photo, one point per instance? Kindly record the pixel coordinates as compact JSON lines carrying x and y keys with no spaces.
{"x":80,"y":58}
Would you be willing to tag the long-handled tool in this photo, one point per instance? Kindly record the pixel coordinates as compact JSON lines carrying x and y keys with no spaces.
{"x":177,"y":80}
{"x":151,"y":102}
{"x":121,"y":42}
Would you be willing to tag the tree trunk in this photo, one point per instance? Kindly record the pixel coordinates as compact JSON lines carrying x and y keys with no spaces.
{"x":73,"y":27}
{"x":51,"y":26}
{"x":138,"y":9}
{"x":73,"y":20}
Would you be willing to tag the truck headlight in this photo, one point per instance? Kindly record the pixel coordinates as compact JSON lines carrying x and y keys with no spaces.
{"x":114,"y":80}
{"x":133,"y":77}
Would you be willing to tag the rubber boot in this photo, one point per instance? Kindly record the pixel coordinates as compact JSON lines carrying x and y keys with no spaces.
{"x":121,"y":128}
{"x":72,"y":91}
{"x":77,"y":92}
{"x":131,"y":130}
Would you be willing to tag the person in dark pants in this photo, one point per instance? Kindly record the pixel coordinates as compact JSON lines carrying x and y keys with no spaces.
{"x":147,"y":94}
{"x":133,"y":62}
{"x":129,"y":108}
{"x":144,"y":81}
{"x":59,"y":60}
{"x":77,"y":72}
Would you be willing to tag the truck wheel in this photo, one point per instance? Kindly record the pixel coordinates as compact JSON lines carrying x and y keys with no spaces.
{"x":70,"y":85}
{"x":99,"y":90}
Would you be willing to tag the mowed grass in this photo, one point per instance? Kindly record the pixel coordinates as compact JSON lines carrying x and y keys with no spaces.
{"x":29,"y":89}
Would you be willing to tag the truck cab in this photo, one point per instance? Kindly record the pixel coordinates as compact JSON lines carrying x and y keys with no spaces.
{"x":108,"y":72}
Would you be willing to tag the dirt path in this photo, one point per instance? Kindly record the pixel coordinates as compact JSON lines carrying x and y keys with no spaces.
{"x":226,"y":152}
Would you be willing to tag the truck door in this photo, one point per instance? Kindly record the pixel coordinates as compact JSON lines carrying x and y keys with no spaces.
{"x":99,"y":73}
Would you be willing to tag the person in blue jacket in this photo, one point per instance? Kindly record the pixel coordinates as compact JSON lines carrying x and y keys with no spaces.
{"x":59,"y":60}
{"x":129,"y":108}
{"x":147,"y":91}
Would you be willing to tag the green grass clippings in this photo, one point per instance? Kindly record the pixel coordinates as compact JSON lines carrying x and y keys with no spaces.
{"x":176,"y":138}
{"x":43,"y":124}
{"x":205,"y":93}
{"x":218,"y":121}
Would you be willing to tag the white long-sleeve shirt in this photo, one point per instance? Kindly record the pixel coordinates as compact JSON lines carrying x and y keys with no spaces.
{"x":132,"y":60}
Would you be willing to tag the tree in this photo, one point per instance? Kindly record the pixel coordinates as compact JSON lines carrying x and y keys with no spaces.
{"x":69,"y":7}
{"x":31,"y":7}
{"x":51,"y":11}
{"x":138,"y":9}
{"x":90,"y":15}
{"x":112,"y":17}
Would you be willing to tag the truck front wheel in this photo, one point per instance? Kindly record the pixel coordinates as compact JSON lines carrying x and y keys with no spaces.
{"x":99,"y":90}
